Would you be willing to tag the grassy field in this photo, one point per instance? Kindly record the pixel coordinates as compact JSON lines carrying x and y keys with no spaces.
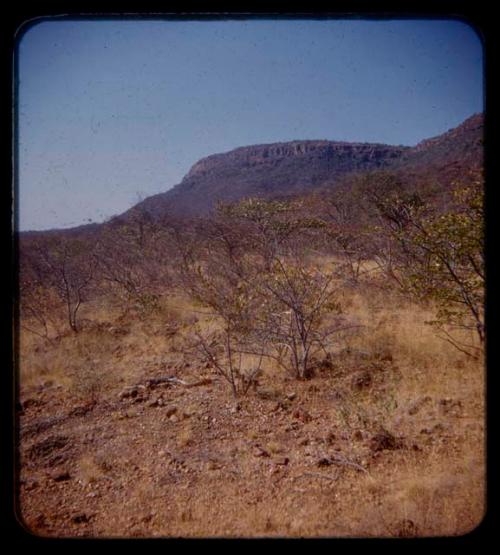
{"x":386,"y":438}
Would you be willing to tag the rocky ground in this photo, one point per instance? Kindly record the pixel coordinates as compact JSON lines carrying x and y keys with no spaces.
{"x":174,"y":455}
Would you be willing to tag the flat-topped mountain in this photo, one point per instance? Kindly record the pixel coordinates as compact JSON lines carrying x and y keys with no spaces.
{"x":269,"y":169}
{"x":297,"y":167}
{"x":302,"y":166}
{"x":338,"y":156}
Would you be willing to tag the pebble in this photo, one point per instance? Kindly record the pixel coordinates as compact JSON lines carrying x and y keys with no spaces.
{"x":171,"y":411}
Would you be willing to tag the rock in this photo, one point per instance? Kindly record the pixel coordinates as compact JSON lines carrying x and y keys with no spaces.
{"x":30,"y":402}
{"x":417,"y":405}
{"x":174,"y":418}
{"x":81,"y":518}
{"x":235,"y":408}
{"x":269,"y":394}
{"x":303,"y":415}
{"x":324,"y":461}
{"x":384,"y":440}
{"x":82,"y":410}
{"x":450,"y":407}
{"x":259,"y":452}
{"x":362,"y":380}
{"x":406,"y":528}
{"x":357,"y":435}
{"x":129,"y":392}
{"x":44,"y":448}
{"x":291,"y":396}
{"x":330,"y":438}
{"x":386,"y":357}
{"x":435,"y":429}
{"x":282,"y":461}
{"x":305,"y":162}
{"x":61,"y":476}
{"x":31,"y":484}
{"x":170,"y":411}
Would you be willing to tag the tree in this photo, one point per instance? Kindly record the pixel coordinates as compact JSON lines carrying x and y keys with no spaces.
{"x":128,"y":262}
{"x":251,"y":267}
{"x":439,"y":256}
{"x":67,"y":267}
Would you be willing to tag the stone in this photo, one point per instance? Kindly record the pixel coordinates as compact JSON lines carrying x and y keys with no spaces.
{"x":61,"y":476}
{"x":81,"y":518}
{"x":384,"y":440}
{"x":303,"y":415}
{"x":417,"y":405}
{"x":259,"y":452}
{"x":171,"y":411}
{"x":362,"y":380}
{"x":330,"y":438}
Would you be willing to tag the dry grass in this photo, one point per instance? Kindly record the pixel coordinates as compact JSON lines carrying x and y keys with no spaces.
{"x":420,"y":382}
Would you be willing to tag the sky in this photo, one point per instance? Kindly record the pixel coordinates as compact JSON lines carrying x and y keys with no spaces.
{"x":113,"y":111}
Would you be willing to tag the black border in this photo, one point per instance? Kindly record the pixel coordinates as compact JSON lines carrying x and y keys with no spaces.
{"x":17,"y":21}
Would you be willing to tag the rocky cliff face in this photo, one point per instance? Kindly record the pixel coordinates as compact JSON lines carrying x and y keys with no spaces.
{"x":269,"y":169}
{"x":269,"y":154}
{"x":302,"y":166}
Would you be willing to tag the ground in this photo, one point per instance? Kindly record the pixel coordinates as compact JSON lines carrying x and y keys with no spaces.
{"x":385,"y":439}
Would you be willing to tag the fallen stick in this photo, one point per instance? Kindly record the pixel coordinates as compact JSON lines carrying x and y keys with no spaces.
{"x":319,"y":475}
{"x":174,"y":380}
{"x":340,"y":460}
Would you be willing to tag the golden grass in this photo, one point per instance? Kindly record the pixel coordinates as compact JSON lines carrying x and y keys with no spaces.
{"x":441,"y":493}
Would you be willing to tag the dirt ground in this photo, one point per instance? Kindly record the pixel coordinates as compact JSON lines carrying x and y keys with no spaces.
{"x":385,"y":443}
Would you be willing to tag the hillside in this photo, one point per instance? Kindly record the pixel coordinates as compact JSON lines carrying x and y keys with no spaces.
{"x":267,"y":170}
{"x":257,"y":372}
{"x":303,"y":166}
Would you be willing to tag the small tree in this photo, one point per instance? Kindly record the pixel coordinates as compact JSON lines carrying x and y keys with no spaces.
{"x":439,"y":256}
{"x":295,"y":298}
{"x":128,"y":262}
{"x":253,"y":271}
{"x":67,"y":266}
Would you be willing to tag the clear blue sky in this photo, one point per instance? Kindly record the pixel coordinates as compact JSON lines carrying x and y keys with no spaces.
{"x":113,"y":110}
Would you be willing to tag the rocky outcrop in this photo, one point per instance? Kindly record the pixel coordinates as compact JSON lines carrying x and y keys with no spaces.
{"x":269,"y":170}
{"x":268,"y":154}
{"x":462,"y":145}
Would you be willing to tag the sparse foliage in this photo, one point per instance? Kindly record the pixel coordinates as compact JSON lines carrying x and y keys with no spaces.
{"x":439,"y":256}
{"x":64,"y":268}
{"x":252,"y":270}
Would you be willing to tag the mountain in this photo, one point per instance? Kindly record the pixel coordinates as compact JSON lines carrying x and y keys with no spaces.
{"x":447,"y":157}
{"x":460,"y":144}
{"x":268,"y":170}
{"x":303,"y":166}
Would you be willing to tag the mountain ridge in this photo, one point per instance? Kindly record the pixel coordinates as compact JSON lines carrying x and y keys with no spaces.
{"x":302,"y":166}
